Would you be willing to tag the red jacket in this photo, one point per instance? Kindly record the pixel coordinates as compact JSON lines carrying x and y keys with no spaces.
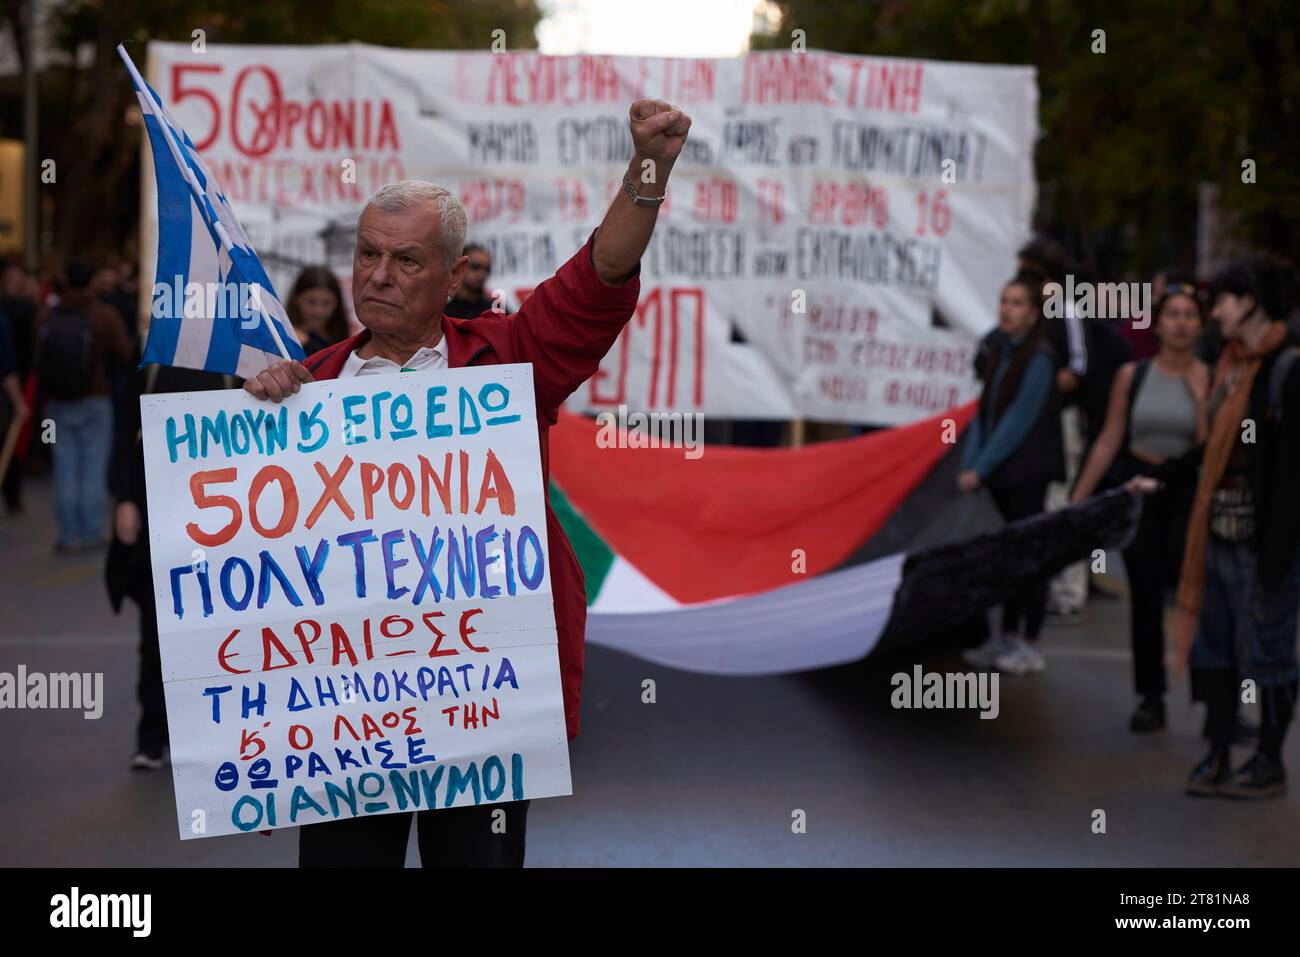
{"x":564,"y":329}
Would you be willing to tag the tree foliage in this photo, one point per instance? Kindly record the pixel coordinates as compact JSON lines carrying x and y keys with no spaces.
{"x":1185,"y":91}
{"x":95,"y":198}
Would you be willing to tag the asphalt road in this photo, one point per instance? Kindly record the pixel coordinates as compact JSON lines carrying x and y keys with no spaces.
{"x":712,"y":774}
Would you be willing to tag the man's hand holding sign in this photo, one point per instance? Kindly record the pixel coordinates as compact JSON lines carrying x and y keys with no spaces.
{"x":367,"y":605}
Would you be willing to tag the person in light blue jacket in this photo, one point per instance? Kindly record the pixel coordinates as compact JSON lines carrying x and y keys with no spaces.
{"x":1013,"y":448}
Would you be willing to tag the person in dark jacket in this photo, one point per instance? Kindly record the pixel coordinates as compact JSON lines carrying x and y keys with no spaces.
{"x":473,"y":298}
{"x":129,"y":571}
{"x":1014,"y":449}
{"x":1239,"y":593}
{"x":1079,"y":376}
{"x":80,"y":344}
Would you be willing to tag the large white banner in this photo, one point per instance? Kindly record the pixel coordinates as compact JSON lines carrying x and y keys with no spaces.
{"x":836,"y":233}
{"x":354,"y":608}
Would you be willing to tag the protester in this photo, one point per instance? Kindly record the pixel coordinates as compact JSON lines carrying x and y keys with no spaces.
{"x":19,"y":304}
{"x":1014,"y":448}
{"x":79,"y":344}
{"x":409,"y":258}
{"x":1156,"y":413}
{"x":128,"y":570}
{"x":108,"y":287}
{"x":1239,"y":591}
{"x":316,"y":309}
{"x":19,"y":307}
{"x":1141,"y":335}
{"x":473,"y":298}
{"x":1067,"y":336}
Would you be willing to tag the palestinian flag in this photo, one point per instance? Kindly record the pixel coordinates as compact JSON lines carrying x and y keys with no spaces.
{"x":761,"y":561}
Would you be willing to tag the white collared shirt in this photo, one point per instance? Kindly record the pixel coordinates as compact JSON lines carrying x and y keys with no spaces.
{"x":429,"y":357}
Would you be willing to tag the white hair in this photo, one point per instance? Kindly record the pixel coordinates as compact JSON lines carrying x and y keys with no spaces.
{"x":409,"y":193}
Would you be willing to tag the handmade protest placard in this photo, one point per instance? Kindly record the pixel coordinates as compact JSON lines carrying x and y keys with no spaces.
{"x":354,"y":603}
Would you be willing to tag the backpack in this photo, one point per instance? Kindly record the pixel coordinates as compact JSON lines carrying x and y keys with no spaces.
{"x":65,"y":354}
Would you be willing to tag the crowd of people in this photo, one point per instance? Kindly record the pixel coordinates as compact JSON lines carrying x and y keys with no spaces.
{"x":1198,"y":411}
{"x":1195,"y":406}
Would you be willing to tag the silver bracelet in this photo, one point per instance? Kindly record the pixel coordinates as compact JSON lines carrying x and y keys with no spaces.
{"x":637,"y":197}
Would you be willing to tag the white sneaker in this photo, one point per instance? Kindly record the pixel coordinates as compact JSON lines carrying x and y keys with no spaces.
{"x":1023,"y":659}
{"x":987,"y":653}
{"x":142,"y":761}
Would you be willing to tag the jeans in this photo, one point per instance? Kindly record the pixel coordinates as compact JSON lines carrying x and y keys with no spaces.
{"x":1243,"y":628}
{"x":83,"y":435}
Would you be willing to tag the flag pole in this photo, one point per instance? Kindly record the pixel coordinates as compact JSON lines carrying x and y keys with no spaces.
{"x":196,"y":191}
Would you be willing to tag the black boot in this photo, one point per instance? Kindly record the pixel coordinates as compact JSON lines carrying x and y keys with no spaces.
{"x":1218,"y":689}
{"x":1263,"y":775}
{"x":1208,"y":776}
{"x":1204,"y":681}
{"x":1277,"y":705}
{"x":1222,"y":687}
{"x":1260,"y":777}
{"x":1149,"y":716}
{"x":1201,"y":679}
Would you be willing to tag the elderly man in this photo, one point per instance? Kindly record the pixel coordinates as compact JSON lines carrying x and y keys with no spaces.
{"x":407,"y":263}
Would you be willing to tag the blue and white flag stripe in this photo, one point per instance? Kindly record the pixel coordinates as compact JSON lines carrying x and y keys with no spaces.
{"x":201,"y":242}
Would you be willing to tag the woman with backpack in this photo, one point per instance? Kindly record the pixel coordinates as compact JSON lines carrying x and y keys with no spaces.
{"x":1013,"y":448}
{"x":1156,"y":413}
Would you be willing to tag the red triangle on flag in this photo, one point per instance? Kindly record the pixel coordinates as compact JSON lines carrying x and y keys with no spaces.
{"x":730,"y":522}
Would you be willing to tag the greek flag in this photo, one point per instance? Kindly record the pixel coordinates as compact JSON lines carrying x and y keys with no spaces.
{"x":213,"y":305}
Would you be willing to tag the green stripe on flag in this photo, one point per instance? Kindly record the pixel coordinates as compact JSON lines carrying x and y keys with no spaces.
{"x":595,"y":557}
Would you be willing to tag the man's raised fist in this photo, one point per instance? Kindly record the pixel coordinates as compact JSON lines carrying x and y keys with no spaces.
{"x":658,"y":130}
